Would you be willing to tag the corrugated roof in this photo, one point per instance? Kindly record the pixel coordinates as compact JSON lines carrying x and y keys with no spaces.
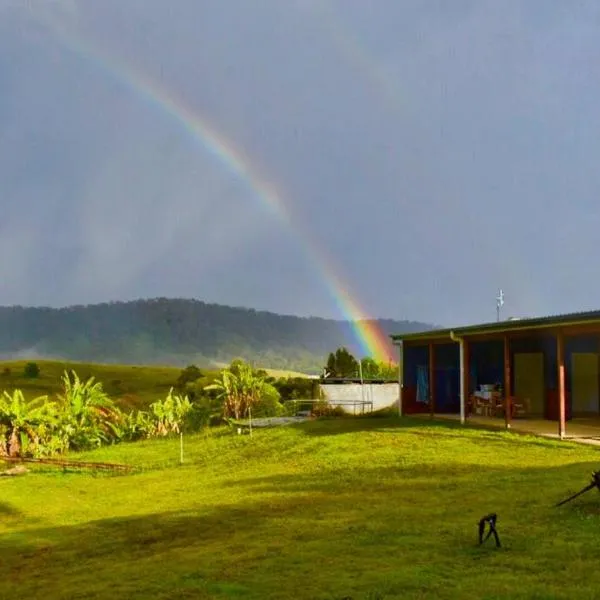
{"x":576,"y":318}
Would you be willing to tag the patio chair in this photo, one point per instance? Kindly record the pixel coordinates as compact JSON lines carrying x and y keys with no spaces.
{"x":519,"y":407}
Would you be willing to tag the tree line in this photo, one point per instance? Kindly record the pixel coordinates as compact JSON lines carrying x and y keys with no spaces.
{"x":178,"y":332}
{"x":341,"y":364}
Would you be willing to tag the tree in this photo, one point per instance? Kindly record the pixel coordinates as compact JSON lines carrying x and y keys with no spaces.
{"x":341,"y":364}
{"x":190,"y":374}
{"x":388,"y":371}
{"x":370,"y":368}
{"x":378,"y":369}
{"x":31,"y":370}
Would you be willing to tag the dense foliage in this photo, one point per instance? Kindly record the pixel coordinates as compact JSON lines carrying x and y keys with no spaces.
{"x":177,"y":332}
{"x":342,"y":364}
{"x":84,"y":416}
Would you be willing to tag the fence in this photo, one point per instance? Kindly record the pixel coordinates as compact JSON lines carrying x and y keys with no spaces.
{"x":305,"y":407}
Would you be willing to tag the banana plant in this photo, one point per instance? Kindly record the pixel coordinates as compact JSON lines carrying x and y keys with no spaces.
{"x":239,"y":388}
{"x":26,"y":427}
{"x":170,"y":414}
{"x":88,"y":413}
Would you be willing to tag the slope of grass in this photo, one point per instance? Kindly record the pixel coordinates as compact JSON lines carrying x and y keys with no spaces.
{"x":351,"y":508}
{"x":132,"y":386}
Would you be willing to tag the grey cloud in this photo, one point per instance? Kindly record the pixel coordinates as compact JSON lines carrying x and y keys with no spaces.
{"x":435,"y":150}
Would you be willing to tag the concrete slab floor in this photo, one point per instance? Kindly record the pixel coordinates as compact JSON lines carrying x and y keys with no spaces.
{"x":582,"y":430}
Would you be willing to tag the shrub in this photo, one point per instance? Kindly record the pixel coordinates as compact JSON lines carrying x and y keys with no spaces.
{"x":170,"y":414}
{"x":136,"y":425}
{"x":31,"y":370}
{"x":6,"y":372}
{"x":190,"y":374}
{"x":88,"y":417}
{"x":297,"y":388}
{"x":324,"y":409}
{"x":268,"y":404}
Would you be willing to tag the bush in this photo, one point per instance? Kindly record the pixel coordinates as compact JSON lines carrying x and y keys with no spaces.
{"x":31,"y":370}
{"x":190,"y":374}
{"x":297,"y":388}
{"x":324,"y":409}
{"x":6,"y":372}
{"x":268,"y":405}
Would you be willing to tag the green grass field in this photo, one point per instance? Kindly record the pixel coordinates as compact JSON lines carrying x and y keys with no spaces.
{"x":130,"y":385}
{"x":370,"y":508}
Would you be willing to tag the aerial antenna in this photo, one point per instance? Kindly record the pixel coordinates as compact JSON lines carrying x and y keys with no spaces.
{"x":499,"y":303}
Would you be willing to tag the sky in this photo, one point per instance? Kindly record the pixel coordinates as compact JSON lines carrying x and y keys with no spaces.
{"x":425,"y":153}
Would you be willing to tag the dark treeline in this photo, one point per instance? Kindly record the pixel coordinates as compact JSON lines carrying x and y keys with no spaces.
{"x":176,"y":331}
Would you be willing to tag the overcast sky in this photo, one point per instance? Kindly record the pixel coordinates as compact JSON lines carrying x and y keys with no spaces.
{"x":433,"y":150}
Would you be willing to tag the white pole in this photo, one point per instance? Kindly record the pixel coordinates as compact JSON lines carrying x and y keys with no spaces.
{"x":362,"y":383}
{"x":250,"y":416}
{"x":181,"y":448}
{"x":400,"y":376}
{"x":462,"y":380}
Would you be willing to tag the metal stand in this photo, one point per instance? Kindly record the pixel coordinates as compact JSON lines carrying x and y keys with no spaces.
{"x":491,"y":521}
{"x":595,"y":483}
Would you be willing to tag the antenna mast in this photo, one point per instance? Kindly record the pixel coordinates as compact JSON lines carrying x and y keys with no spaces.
{"x":499,"y":303}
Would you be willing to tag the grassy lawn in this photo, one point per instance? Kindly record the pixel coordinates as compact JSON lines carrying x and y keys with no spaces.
{"x":330,"y":509}
{"x":132,"y":386}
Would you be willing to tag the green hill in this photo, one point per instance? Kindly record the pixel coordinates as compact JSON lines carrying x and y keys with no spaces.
{"x":132,"y":386}
{"x":176,"y":332}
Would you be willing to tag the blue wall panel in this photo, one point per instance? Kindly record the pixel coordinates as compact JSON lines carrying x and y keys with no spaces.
{"x":447,"y":378}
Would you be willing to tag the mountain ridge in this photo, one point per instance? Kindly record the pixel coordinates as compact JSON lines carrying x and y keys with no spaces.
{"x":178,"y":331}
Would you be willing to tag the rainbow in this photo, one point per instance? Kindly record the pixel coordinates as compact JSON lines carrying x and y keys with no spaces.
{"x":372,"y":339}
{"x":357,"y":54}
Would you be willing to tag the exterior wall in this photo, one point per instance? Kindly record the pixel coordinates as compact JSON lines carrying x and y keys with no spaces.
{"x":579,"y":344}
{"x":382,"y":395}
{"x":486,"y":363}
{"x":546,"y":344}
{"x":414,"y":357}
{"x":446,"y":390}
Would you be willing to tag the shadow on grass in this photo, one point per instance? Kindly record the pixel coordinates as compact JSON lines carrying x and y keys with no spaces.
{"x":7,"y":510}
{"x":346,"y":521}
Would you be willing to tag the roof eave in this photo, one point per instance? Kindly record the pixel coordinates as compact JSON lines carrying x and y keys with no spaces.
{"x":503,"y":327}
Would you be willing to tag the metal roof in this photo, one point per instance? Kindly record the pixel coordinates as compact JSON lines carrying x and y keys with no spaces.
{"x":576,"y":318}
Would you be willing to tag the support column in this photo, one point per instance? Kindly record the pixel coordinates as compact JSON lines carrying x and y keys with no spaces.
{"x":400,"y":375}
{"x":431,"y":380}
{"x":464,"y":380}
{"x":507,"y":386}
{"x":560,"y":359}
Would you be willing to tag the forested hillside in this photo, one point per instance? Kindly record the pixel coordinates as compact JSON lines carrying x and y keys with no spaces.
{"x":178,"y":332}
